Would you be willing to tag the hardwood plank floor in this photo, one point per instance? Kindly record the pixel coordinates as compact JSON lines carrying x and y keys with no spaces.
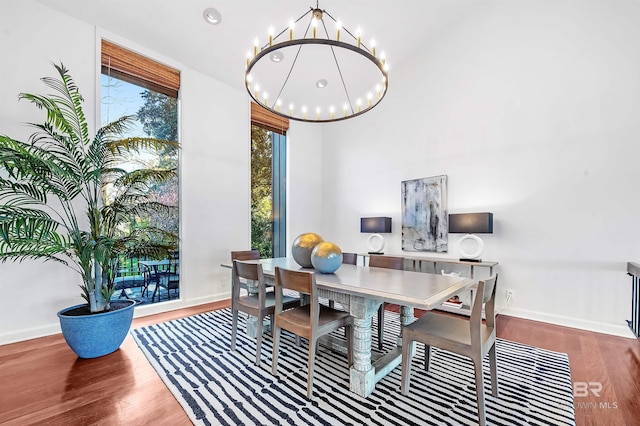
{"x":43,"y":382}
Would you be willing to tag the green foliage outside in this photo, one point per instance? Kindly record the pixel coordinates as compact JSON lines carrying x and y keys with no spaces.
{"x":261,"y":192}
{"x":159,"y":118}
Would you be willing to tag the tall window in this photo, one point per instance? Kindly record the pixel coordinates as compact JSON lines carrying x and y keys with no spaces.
{"x":132,"y":84}
{"x":268,"y":182}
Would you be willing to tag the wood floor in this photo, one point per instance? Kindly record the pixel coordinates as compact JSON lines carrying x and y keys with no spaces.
{"x":43,"y":382}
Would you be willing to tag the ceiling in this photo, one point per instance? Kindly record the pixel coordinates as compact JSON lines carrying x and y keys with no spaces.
{"x":177,"y":29}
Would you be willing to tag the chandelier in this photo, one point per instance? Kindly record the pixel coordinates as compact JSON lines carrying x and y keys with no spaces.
{"x":319,"y":72}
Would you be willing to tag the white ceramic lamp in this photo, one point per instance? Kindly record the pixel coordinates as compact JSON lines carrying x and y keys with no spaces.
{"x":470,"y":224}
{"x":375,"y":226}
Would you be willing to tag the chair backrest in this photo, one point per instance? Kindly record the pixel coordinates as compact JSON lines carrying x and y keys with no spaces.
{"x":485,"y":296}
{"x":300,"y":281}
{"x":245,"y":254}
{"x":304,"y":282}
{"x":350,"y":258}
{"x":388,"y":262}
{"x":246,"y":271}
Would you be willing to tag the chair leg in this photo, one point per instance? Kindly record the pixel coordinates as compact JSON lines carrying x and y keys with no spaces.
{"x":494,"y":370}
{"x":271,"y":324}
{"x":406,"y":364}
{"x":259,"y":340}
{"x":348,"y":333}
{"x":477,"y":365}
{"x":380,"y":325}
{"x":311,"y":364}
{"x":274,"y":353}
{"x":234,"y":329}
{"x":427,"y":357}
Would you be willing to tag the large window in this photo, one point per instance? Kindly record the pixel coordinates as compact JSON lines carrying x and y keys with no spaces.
{"x":135,"y":85}
{"x":268,"y":182}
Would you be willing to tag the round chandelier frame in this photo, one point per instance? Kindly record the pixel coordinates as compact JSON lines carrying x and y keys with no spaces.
{"x":352,"y":104}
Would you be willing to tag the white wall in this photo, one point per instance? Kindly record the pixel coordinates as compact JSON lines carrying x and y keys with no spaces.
{"x":531,"y":110}
{"x":214,"y":181}
{"x":304,"y":180}
{"x":214,"y":167}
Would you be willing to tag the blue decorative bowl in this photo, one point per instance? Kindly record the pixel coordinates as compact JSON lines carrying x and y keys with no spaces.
{"x":326,"y":257}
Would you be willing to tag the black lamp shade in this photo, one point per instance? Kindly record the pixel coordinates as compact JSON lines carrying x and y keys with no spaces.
{"x":375,"y":225}
{"x":471,"y":223}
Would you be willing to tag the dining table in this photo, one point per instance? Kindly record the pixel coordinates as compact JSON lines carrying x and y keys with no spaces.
{"x":361,"y":290}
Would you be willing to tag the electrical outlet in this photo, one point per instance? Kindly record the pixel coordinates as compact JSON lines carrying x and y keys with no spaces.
{"x":511,"y":295}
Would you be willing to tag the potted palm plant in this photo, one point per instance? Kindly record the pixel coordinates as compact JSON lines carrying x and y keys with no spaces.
{"x":54,"y":207}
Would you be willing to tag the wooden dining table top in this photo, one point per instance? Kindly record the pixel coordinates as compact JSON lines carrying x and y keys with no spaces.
{"x":408,"y":288}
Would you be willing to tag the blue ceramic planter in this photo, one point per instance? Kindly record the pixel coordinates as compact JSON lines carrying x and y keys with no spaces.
{"x":92,"y":336}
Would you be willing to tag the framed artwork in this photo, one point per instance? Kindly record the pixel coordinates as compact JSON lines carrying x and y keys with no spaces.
{"x":424,"y":214}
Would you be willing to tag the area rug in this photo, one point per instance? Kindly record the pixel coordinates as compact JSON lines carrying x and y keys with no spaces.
{"x":218,"y":386}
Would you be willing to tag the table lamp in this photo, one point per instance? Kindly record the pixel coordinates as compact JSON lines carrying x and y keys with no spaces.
{"x":376,"y":226}
{"x":470,"y":224}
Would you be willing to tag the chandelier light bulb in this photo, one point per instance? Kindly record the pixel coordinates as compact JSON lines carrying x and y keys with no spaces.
{"x":358,"y":36}
{"x":270,"y":36}
{"x":332,"y":110}
{"x":378,"y":89}
{"x":359,"y":103}
{"x":369,"y":98}
{"x":291,"y":25}
{"x":338,"y":28}
{"x":256,"y":44}
{"x":304,"y":112}
{"x":373,"y":47}
{"x":345,"y":107}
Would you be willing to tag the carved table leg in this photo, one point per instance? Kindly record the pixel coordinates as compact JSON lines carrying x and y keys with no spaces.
{"x":406,"y":318}
{"x":362,"y":373}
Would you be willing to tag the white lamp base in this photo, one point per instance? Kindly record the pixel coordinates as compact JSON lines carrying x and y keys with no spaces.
{"x":473,"y":256}
{"x":376,"y":244}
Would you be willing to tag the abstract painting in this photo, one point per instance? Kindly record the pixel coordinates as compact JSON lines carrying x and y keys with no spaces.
{"x":424,"y":214}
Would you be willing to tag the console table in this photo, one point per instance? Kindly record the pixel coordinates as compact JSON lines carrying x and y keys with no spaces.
{"x":419,"y":261}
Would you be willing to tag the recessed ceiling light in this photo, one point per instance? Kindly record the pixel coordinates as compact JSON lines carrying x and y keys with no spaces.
{"x":276,"y":56}
{"x":212,"y":16}
{"x":321,"y":83}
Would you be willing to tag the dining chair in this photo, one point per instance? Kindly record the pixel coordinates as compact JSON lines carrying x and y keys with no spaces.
{"x":347,"y":259}
{"x":252,"y":254}
{"x":170,"y":277}
{"x":388,"y":262}
{"x":258,"y":304}
{"x":469,"y":337}
{"x":245,"y":254}
{"x":310,"y":321}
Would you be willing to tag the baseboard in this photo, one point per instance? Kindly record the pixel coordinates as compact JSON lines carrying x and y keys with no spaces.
{"x":621,"y":330}
{"x":30,"y":333}
{"x":141,"y":311}
{"x":174,"y":305}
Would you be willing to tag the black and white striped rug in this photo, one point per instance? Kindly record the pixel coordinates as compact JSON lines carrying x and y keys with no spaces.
{"x":217,"y":386}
